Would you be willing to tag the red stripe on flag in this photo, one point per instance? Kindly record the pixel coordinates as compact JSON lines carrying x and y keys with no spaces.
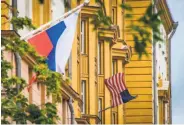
{"x":119,"y":78}
{"x":42,"y":44}
{"x":115,"y":92}
{"x":123,"y":81}
{"x":116,"y":98}
{"x":116,"y":85}
{"x":117,"y":82}
{"x":111,"y":90}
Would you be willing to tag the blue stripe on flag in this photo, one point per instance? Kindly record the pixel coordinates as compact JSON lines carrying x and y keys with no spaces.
{"x":54,"y":34}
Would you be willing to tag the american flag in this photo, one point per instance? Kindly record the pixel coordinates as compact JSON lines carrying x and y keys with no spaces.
{"x":116,"y":85}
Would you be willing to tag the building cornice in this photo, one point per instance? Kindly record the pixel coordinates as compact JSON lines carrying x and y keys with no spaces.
{"x":9,"y":33}
{"x":82,"y":121}
{"x":166,"y":17}
{"x":89,"y":11}
{"x":68,"y":91}
{"x":110,"y":34}
{"x":86,"y":116}
{"x":29,"y":60}
{"x":119,"y":53}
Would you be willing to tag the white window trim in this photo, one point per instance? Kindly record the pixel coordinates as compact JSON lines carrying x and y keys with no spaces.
{"x":99,"y":109}
{"x":83,"y":95}
{"x":99,"y":58}
{"x":82,"y":36}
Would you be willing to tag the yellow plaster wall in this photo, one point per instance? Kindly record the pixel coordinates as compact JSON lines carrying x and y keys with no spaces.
{"x":107,"y":63}
{"x":5,"y":24}
{"x":138,"y":72}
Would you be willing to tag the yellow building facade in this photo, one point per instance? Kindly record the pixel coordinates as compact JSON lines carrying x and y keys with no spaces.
{"x":40,"y":14}
{"x":95,"y":58}
{"x":138,"y":72}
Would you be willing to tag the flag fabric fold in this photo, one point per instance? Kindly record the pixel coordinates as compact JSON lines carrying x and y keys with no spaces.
{"x":32,"y":80}
{"x":118,"y":89}
{"x":55,"y":43}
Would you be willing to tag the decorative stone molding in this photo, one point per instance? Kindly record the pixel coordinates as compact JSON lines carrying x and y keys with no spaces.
{"x":165,"y":85}
{"x":88,"y":117}
{"x":68,"y":91}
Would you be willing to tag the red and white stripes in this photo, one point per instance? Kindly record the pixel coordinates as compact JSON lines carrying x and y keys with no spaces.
{"x":116,"y":85}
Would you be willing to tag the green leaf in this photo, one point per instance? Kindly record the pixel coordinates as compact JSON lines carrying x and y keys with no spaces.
{"x":41,"y":1}
{"x":126,"y":7}
{"x":128,"y":16}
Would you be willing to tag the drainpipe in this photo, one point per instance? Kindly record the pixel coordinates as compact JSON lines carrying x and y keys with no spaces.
{"x":155,"y":99}
{"x":16,"y":54}
{"x":18,"y":66}
{"x":175,"y":25}
{"x":14,"y":12}
{"x":155,"y":84}
{"x":18,"y":72}
{"x":72,"y":111}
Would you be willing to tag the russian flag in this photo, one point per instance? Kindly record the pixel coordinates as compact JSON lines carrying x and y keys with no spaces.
{"x":55,"y":43}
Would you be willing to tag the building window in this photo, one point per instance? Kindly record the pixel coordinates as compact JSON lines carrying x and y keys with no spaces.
{"x":114,"y":118}
{"x":114,"y":12}
{"x":100,"y":55}
{"x":99,"y":58}
{"x":64,"y":111}
{"x":83,"y":38}
{"x":83,"y":96}
{"x":166,"y":114}
{"x":114,"y":67}
{"x":99,"y":109}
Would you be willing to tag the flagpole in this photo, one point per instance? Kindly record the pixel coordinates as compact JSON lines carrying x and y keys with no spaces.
{"x":105,"y":109}
{"x":86,"y":2}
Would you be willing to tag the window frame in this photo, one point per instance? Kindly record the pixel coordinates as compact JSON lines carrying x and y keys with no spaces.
{"x":114,"y":12}
{"x":83,"y":96}
{"x":83,"y":37}
{"x":114,"y":66}
{"x":100,"y":115}
{"x":114,"y":117}
{"x":99,"y":57}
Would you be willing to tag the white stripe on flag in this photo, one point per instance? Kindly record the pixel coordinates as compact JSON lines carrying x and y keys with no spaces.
{"x":64,"y":45}
{"x":116,"y":85}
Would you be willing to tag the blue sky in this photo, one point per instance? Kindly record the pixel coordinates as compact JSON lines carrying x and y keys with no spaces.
{"x":177,"y":66}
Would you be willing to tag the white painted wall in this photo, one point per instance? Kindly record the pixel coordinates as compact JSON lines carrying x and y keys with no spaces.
{"x":160,"y":56}
{"x":57,"y":8}
{"x":24,"y":8}
{"x":161,"y":65}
